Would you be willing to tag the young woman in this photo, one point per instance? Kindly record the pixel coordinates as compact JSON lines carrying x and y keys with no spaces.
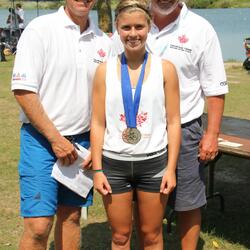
{"x":135,"y":131}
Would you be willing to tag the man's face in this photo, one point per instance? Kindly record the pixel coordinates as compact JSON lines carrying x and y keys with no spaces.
{"x":79,"y":8}
{"x":163,"y":7}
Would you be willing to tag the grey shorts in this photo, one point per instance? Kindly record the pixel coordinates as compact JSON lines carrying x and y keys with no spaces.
{"x":190,"y":192}
{"x":125,"y":176}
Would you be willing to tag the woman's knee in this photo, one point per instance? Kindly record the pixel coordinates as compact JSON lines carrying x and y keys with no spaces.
{"x":121,"y":239}
{"x":153,"y":237}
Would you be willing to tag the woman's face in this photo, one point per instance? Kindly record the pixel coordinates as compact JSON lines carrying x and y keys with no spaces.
{"x":133,"y":28}
{"x":163,"y":7}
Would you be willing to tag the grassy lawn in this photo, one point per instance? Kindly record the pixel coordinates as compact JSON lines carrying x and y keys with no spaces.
{"x":227,"y":231}
{"x":237,"y":101}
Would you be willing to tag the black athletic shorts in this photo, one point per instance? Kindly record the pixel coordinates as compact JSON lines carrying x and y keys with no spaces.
{"x":144,"y":175}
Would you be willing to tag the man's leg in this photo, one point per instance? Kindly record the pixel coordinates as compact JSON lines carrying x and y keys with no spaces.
{"x":36,"y":233}
{"x":38,"y":190}
{"x":189,"y":195}
{"x":67,"y":229}
{"x":189,"y":224}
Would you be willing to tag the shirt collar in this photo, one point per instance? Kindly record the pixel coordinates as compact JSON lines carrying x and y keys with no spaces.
{"x":91,"y":28}
{"x":64,"y":18}
{"x":177,"y":21}
{"x":67,"y":22}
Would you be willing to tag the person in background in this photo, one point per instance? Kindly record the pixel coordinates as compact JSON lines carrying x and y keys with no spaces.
{"x":13,"y":19}
{"x":20,"y":12}
{"x":135,"y":131}
{"x":2,"y":46}
{"x":56,"y":59}
{"x":191,"y":43}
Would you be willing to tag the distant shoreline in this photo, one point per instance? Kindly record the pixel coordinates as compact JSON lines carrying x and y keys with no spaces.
{"x":55,"y":4}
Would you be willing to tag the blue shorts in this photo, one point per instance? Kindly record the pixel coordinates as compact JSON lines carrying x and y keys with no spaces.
{"x":40,"y":193}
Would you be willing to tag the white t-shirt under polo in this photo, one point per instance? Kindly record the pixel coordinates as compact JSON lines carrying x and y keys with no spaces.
{"x":191,"y":43}
{"x":151,"y":116}
{"x":58,"y":62}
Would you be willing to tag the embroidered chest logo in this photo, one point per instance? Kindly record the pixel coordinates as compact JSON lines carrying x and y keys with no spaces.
{"x":101,"y":54}
{"x":183,"y":39}
{"x":180,"y":46}
{"x":140,"y":118}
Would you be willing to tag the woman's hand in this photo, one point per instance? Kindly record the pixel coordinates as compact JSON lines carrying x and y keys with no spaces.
{"x":101,"y":184}
{"x":168,"y":182}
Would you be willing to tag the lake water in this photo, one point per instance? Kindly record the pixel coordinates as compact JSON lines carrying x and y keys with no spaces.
{"x":231,"y":25}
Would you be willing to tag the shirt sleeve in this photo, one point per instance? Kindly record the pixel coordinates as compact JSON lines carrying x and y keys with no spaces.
{"x":212,"y":72}
{"x":29,"y":62}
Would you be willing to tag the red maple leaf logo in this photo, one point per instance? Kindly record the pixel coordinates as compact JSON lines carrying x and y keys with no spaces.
{"x":101,"y":53}
{"x":140,"y":118}
{"x":183,"y":39}
{"x":122,"y":118}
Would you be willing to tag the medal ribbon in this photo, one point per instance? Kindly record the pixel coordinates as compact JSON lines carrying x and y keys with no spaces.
{"x":131,"y":106}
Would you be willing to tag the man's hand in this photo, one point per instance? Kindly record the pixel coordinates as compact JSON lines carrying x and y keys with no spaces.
{"x":64,"y":150}
{"x":208,"y":148}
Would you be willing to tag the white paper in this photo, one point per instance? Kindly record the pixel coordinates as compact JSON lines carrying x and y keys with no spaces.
{"x":230,"y":144}
{"x":74,"y":176}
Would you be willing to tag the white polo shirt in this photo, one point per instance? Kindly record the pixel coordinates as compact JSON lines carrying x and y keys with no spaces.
{"x":58,"y":62}
{"x":191,"y":43}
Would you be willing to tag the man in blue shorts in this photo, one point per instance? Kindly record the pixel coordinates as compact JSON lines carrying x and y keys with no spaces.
{"x":56,"y":59}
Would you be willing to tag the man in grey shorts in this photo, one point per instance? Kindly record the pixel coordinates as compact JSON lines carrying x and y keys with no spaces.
{"x":190,"y":191}
{"x":191,"y":43}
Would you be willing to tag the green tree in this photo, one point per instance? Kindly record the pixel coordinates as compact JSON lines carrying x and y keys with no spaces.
{"x":200,"y":4}
{"x":104,"y":15}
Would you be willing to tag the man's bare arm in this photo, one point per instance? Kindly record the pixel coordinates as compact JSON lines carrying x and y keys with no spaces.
{"x":209,"y":142}
{"x":32,"y":107}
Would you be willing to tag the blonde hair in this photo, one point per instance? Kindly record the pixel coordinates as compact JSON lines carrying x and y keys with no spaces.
{"x":133,"y":5}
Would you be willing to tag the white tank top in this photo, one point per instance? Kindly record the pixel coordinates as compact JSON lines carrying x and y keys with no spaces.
{"x":151,"y":116}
